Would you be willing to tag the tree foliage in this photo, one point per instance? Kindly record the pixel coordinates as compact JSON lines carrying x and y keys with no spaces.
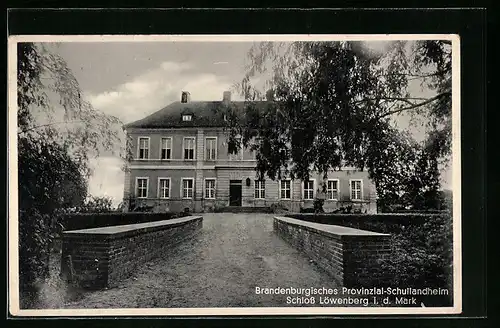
{"x":48,"y":179}
{"x":57,"y":132}
{"x":334,"y":103}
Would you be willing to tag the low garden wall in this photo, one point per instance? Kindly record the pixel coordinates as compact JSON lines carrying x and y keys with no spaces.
{"x":348,"y":255}
{"x":421,"y":248}
{"x":380,"y":222}
{"x":101,"y":257}
{"x":76,"y":221}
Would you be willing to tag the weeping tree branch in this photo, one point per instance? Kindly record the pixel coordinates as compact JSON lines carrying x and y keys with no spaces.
{"x":49,"y":124}
{"x":412,"y":75}
{"x":413,"y":106}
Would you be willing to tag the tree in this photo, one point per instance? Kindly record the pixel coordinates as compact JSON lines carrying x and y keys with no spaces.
{"x":53,"y":152}
{"x":97,"y":204}
{"x":48,"y":179}
{"x":334,"y":104}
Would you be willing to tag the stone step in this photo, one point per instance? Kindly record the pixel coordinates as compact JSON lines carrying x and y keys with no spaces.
{"x":247,"y":209}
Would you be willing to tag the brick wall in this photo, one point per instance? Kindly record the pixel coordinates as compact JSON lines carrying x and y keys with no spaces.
{"x":362,"y":259}
{"x":101,"y":257}
{"x":349,"y":255}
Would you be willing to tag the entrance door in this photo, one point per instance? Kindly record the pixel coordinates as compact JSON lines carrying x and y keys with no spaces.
{"x":235,"y":193}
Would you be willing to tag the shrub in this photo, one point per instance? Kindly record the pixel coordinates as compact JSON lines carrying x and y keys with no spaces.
{"x":318,"y":205}
{"x":219,"y":208}
{"x":344,"y":209}
{"x":143,"y":208}
{"x":278,"y":208}
{"x":95,"y":204}
{"x":307,"y":210}
{"x":35,"y":234}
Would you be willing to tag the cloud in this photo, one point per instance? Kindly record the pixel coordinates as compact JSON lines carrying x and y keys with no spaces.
{"x":175,"y":66}
{"x":149,"y":92}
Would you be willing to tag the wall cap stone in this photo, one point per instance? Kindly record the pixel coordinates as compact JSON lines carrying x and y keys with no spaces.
{"x":132,"y":229}
{"x":327,"y":229}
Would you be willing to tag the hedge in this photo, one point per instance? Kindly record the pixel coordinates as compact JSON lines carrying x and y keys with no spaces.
{"x":421,"y":244}
{"x":382,"y":222}
{"x":76,"y":221}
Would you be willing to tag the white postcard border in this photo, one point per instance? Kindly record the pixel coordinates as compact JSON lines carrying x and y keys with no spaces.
{"x":13,"y":274}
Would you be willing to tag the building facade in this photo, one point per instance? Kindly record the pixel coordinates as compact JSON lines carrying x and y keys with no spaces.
{"x":180,"y":160}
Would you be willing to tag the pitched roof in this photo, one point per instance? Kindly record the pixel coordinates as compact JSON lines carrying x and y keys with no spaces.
{"x":205,"y":114}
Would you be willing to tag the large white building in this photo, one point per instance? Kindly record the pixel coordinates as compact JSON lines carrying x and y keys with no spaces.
{"x":181,"y":160}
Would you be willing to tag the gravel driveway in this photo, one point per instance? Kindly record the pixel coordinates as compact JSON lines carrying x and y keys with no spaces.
{"x":220,"y":267}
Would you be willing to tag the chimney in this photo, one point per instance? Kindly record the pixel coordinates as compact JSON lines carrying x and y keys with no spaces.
{"x":185,"y":97}
{"x":226,"y":97}
{"x":270,"y":95}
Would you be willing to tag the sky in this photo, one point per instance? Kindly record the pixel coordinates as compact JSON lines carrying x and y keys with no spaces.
{"x":131,"y":80}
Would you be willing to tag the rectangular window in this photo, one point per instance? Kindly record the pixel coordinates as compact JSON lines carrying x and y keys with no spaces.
{"x":210,"y":188}
{"x":187,"y":188}
{"x":164,"y":188}
{"x":235,"y":157}
{"x":257,"y":142}
{"x":260,"y":189}
{"x":356,"y":189}
{"x":186,"y":118}
{"x":142,"y":187}
{"x":239,"y":154}
{"x":189,"y":148}
{"x":285,"y":189}
{"x":309,"y":189}
{"x":332,"y":190}
{"x":211,"y":148}
{"x":166,"y":148}
{"x":143,"y":147}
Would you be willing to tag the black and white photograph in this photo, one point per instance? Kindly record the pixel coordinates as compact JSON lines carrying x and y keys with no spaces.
{"x":234,"y":175}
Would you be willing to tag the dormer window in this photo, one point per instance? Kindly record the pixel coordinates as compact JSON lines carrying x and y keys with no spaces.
{"x":187,"y":117}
